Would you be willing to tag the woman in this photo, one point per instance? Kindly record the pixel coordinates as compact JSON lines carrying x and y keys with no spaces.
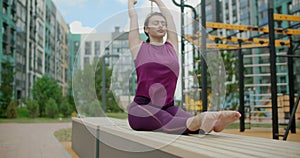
{"x":157,"y":71}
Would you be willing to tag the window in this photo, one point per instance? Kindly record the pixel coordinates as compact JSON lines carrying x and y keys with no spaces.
{"x":279,"y":10}
{"x":97,"y":47}
{"x":282,"y":79}
{"x":106,"y":45}
{"x":76,"y":46}
{"x":87,"y":48}
{"x":86,"y":60}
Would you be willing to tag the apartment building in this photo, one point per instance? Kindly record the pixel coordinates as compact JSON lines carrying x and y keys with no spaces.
{"x":8,"y":48}
{"x":35,"y":40}
{"x":91,"y":47}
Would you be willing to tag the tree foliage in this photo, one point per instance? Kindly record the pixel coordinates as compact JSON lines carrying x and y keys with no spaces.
{"x":43,"y":89}
{"x":231,"y":63}
{"x":66,"y":109}
{"x":6,"y":88}
{"x":33,"y":107}
{"x":84,"y":89}
{"x":51,"y":108}
{"x":87,"y":88}
{"x":11,"y":110}
{"x":215,"y":66}
{"x":112,"y":105}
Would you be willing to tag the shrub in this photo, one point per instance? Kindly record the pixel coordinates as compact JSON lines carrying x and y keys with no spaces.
{"x":51,"y":108}
{"x":11,"y":111}
{"x":65,"y":109}
{"x":33,"y":107}
{"x":91,"y":109}
{"x":74,"y":114}
{"x":22,"y":112}
{"x":43,"y":89}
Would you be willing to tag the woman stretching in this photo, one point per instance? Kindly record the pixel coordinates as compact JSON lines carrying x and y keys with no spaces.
{"x":157,"y":71}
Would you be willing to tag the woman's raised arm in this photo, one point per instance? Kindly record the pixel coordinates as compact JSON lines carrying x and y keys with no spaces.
{"x":172,"y":36}
{"x":134,"y":35}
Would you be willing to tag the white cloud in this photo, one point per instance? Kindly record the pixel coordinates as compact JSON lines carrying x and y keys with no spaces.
{"x":69,"y":2}
{"x":122,"y":1}
{"x":77,"y":28}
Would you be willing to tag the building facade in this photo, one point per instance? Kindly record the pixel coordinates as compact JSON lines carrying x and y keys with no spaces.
{"x":8,"y":22}
{"x":91,"y":47}
{"x":35,"y":40}
{"x":21,"y":56}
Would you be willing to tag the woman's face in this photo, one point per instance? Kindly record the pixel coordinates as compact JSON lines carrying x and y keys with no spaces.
{"x":157,"y":26}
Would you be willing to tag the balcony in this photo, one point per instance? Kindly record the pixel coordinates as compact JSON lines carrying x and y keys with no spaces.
{"x":5,"y":3}
{"x":263,"y":8}
{"x":5,"y":39}
{"x":263,"y":21}
{"x":295,"y":8}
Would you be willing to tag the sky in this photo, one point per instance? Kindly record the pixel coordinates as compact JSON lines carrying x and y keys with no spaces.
{"x":85,"y":16}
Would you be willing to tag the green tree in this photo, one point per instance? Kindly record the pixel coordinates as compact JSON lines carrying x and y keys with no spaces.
{"x":51,"y":108}
{"x":45,"y":88}
{"x":66,"y":109}
{"x":33,"y":107}
{"x":69,"y":97}
{"x":6,"y":88}
{"x":215,"y":66}
{"x":11,"y":110}
{"x":112,"y":105}
{"x":86,"y":83}
{"x":231,"y":63}
{"x":84,"y":89}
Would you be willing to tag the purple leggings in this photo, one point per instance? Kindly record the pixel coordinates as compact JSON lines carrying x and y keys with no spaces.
{"x":148,"y":117}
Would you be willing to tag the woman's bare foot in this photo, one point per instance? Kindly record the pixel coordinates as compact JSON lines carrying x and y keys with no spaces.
{"x":225,"y":118}
{"x":208,"y":121}
{"x":204,"y":121}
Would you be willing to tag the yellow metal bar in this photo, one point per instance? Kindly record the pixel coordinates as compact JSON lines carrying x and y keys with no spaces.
{"x":250,"y":28}
{"x":257,"y":44}
{"x":285,"y":17}
{"x":247,"y":40}
{"x":260,"y":41}
{"x":226,"y":26}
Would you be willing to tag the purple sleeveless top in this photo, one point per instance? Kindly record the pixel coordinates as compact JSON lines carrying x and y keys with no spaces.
{"x":157,"y":71}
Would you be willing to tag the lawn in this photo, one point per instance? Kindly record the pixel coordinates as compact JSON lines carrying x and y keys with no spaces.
{"x":55,"y":120}
{"x":35,"y":120}
{"x":64,"y":135}
{"x":117,"y":115}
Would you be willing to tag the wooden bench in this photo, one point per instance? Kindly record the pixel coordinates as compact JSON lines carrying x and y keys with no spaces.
{"x":117,"y":139}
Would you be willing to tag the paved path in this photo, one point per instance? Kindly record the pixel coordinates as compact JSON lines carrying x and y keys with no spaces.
{"x":31,"y":140}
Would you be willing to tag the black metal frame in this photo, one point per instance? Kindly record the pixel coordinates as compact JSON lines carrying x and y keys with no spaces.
{"x":273,"y":56}
{"x":275,"y":128}
{"x":203,"y":48}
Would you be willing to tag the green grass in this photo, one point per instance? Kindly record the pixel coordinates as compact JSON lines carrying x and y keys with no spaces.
{"x":237,"y":126}
{"x":253,"y":125}
{"x":34,"y":120}
{"x":55,"y":120}
{"x":64,"y":135}
{"x":117,"y":115}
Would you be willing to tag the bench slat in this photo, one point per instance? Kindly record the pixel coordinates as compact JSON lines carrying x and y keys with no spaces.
{"x":233,"y":144}
{"x":211,"y":145}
